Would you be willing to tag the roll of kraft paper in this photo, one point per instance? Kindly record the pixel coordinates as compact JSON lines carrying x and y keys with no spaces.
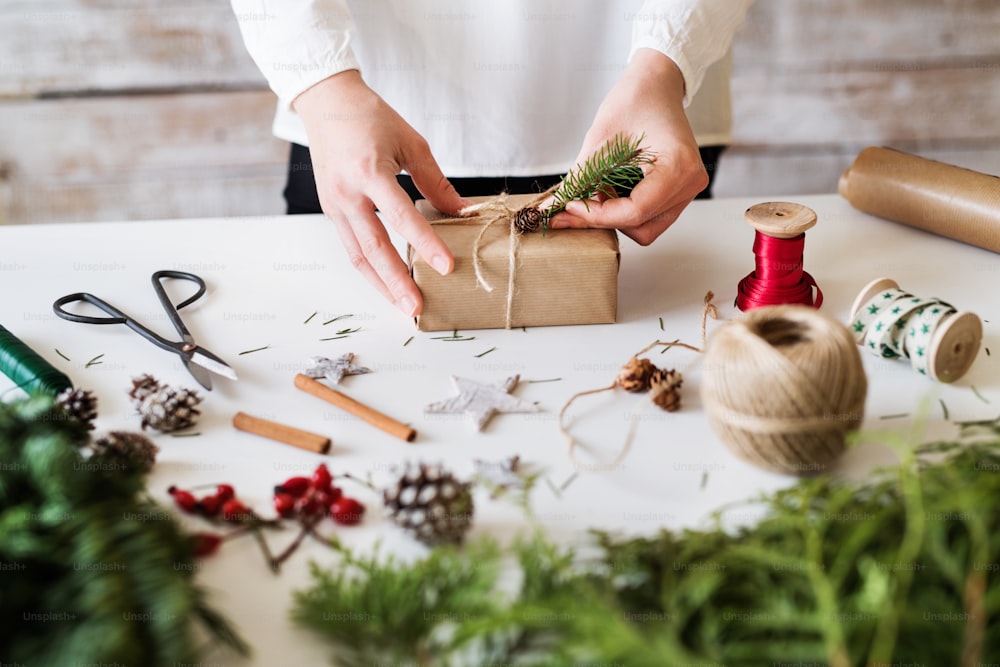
{"x":958,"y":203}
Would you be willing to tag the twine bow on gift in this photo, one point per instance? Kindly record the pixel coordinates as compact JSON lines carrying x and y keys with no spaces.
{"x":524,"y":220}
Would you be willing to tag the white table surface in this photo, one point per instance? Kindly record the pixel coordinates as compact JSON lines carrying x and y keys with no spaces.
{"x":267,"y":275}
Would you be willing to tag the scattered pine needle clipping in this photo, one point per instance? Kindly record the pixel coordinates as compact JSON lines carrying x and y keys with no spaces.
{"x":901,"y":569}
{"x":613,"y":170}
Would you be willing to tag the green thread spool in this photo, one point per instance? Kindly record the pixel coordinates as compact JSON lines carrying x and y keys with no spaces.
{"x":28,"y":369}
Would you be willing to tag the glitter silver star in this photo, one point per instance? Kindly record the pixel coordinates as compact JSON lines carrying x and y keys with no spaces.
{"x":335,"y":369}
{"x":482,"y":401}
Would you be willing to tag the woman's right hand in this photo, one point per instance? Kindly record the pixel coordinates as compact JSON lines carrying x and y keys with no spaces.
{"x":358,"y":145}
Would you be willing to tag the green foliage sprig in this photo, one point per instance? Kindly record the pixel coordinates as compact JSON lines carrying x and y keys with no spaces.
{"x":615,"y":168}
{"x":91,"y":570}
{"x":903,"y":568}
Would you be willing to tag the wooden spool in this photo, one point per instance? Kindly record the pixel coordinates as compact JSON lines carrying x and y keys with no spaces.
{"x":780,"y":219}
{"x":955,"y":343}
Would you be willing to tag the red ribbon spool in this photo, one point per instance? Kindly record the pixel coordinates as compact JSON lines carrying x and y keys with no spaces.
{"x":778,"y":277}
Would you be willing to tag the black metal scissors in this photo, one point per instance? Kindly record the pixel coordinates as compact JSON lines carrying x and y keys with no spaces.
{"x":199,"y":361}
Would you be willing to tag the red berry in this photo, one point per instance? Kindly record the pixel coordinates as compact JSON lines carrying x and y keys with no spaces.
{"x":206,"y":544}
{"x":324,"y":498}
{"x":235,"y":511}
{"x":284,"y":504}
{"x":308,"y":505}
{"x":347,"y":511}
{"x":335,"y":493}
{"x":184,"y":499}
{"x":295,"y":486}
{"x":225,"y":492}
{"x":210,"y":505}
{"x":321,"y":478}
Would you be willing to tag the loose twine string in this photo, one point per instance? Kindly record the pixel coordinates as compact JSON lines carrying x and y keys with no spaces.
{"x":709,"y":310}
{"x":518,"y":220}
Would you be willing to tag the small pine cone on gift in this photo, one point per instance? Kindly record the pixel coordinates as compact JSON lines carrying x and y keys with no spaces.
{"x":666,"y":387}
{"x":127,"y":449}
{"x":142,"y":387}
{"x":170,"y":409}
{"x":80,"y":404}
{"x":429,"y":502}
{"x":528,"y":219}
{"x":635,"y":375}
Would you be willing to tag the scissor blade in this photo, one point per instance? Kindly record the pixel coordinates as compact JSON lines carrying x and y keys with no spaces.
{"x":202,"y":375}
{"x":214,"y":365}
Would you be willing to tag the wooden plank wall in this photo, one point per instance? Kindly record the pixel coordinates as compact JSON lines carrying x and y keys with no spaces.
{"x":129,"y":109}
{"x":125,"y":109}
{"x":815,"y":81}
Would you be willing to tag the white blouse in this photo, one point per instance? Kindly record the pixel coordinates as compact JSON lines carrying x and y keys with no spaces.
{"x":501,"y":88}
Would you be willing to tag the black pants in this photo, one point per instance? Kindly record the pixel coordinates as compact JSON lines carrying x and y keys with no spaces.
{"x":301,"y":197}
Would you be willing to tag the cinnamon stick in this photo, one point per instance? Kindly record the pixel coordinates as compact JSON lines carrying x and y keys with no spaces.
{"x":345,"y":402}
{"x":282,"y":433}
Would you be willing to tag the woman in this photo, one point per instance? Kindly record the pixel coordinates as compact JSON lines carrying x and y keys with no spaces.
{"x":502,"y":90}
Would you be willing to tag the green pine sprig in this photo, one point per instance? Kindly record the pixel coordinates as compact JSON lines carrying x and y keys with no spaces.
{"x":616,"y":167}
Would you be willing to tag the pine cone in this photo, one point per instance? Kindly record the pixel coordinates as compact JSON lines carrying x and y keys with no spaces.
{"x":80,"y":404}
{"x":635,"y":375}
{"x":126,"y":449}
{"x":666,"y":387}
{"x":528,"y":220}
{"x":430,"y":503}
{"x":170,"y":409}
{"x":142,"y":387}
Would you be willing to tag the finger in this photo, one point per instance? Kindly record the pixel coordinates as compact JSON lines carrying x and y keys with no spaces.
{"x":378,"y":250}
{"x":650,"y":231}
{"x":431,"y":181}
{"x":652,"y":195}
{"x":398,"y":211}
{"x":567,"y":221}
{"x":356,"y":256}
{"x":546,"y":203}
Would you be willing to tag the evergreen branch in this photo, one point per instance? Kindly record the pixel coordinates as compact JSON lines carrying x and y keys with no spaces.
{"x":95,"y":572}
{"x":616,"y":167}
{"x":900,"y":569}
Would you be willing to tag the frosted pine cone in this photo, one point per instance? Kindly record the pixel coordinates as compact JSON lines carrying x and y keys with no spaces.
{"x":170,"y":409}
{"x":431,"y":504}
{"x":80,"y":404}
{"x":635,"y":375}
{"x":127,"y":449}
{"x":666,"y":387}
{"x":142,"y":387}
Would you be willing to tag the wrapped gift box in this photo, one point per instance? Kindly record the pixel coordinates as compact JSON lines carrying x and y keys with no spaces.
{"x":566,"y":276}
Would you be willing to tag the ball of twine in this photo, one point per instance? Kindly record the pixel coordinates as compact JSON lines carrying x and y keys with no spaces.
{"x":783,"y":386}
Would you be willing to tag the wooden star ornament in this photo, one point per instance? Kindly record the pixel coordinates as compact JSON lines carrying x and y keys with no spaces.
{"x":335,"y":369}
{"x":482,"y":401}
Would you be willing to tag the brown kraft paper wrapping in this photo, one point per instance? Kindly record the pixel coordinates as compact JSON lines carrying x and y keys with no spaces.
{"x":562,"y":277}
{"x":958,"y":203}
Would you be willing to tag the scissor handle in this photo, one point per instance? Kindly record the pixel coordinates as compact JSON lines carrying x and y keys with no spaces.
{"x":168,"y":305}
{"x":179,"y":275}
{"x":117,"y":316}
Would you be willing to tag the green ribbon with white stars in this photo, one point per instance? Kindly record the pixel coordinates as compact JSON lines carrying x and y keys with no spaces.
{"x":895,"y":323}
